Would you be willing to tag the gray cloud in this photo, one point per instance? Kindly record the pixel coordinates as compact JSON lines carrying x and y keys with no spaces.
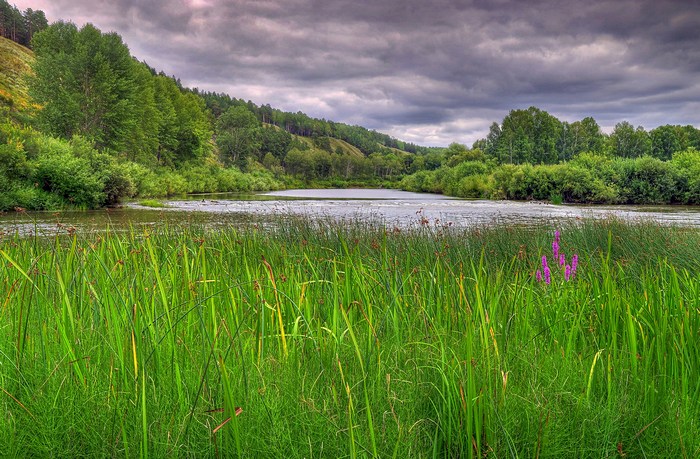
{"x":428,"y":72}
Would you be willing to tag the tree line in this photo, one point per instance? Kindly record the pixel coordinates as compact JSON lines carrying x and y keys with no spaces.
{"x":536,"y":137}
{"x":533,"y":155}
{"x":299,"y":123}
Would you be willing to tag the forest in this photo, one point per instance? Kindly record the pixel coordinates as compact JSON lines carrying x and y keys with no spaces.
{"x":88,"y":126}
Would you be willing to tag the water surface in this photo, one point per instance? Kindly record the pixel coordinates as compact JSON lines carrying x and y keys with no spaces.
{"x":389,"y":207}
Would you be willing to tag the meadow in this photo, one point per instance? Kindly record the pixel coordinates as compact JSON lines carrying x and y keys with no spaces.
{"x":315,"y":339}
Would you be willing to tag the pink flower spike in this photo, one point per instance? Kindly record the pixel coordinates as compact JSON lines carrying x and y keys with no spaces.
{"x":547,"y":276}
{"x":556,"y":235}
{"x":567,"y":273}
{"x":544,"y":263}
{"x":538,"y":275}
{"x":555,"y":249}
{"x":574,"y":264}
{"x":562,"y":260}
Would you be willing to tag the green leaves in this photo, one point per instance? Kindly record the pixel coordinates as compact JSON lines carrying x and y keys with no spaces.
{"x":238,"y":135}
{"x":84,"y":80}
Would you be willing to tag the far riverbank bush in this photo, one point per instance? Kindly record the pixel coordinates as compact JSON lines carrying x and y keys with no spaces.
{"x":588,"y":178}
{"x":40,"y":172}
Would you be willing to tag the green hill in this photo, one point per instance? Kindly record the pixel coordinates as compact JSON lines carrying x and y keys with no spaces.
{"x":15,"y":61}
{"x":345,"y":147}
{"x":336,"y":145}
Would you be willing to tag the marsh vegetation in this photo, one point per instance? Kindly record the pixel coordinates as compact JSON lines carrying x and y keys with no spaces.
{"x":312,"y":339}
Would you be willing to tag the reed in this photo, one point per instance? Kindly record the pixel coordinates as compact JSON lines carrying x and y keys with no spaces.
{"x":316,"y":339}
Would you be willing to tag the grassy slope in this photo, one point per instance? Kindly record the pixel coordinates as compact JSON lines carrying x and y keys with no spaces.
{"x":347,"y":148}
{"x":15,"y":63}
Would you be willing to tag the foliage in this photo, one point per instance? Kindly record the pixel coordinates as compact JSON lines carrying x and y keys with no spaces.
{"x":238,"y":135}
{"x":647,"y":180}
{"x":628,"y":142}
{"x":20,"y":26}
{"x":526,"y":136}
{"x":83,"y":79}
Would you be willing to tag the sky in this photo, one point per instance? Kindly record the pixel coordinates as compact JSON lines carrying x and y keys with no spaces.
{"x":429,"y":72}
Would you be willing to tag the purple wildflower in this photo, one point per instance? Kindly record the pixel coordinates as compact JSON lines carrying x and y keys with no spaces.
{"x":544,"y":262}
{"x":547,"y":275}
{"x":562,"y":260}
{"x":538,"y":275}
{"x":556,"y":236}
{"x":555,"y":248}
{"x":574,"y":265}
{"x":567,"y":273}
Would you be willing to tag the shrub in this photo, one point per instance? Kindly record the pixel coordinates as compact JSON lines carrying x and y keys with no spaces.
{"x":475,"y":186}
{"x":647,"y":180}
{"x":29,"y":197}
{"x":687,"y":166}
{"x":72,"y":179}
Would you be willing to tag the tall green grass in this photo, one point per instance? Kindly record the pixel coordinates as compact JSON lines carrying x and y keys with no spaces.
{"x":316,"y":340}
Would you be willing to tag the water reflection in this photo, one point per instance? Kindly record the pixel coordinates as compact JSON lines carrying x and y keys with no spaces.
{"x":404,"y":209}
{"x":389,"y":207}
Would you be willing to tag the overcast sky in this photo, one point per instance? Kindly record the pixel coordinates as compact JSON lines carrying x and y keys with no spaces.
{"x":426,"y":71}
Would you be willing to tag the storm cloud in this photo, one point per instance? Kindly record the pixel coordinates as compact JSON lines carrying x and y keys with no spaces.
{"x":426,"y":72}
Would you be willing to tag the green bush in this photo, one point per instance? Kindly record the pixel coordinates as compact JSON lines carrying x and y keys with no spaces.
{"x":647,"y":180}
{"x":232,"y":180}
{"x":475,"y":186}
{"x":201,"y":179}
{"x":72,"y":179}
{"x":578,"y":184}
{"x":29,"y":197}
{"x":13,"y":162}
{"x":687,"y":166}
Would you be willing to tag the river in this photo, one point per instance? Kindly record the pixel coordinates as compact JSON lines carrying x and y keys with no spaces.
{"x":390,"y":207}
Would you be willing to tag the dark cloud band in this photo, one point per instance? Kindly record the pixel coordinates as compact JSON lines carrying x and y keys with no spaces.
{"x":408,"y":67}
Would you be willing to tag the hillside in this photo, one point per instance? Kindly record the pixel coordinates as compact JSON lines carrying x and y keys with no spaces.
{"x":337,"y":146}
{"x":345,"y":147}
{"x":15,"y":61}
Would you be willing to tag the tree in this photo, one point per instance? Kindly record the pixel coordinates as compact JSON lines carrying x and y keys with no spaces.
{"x":85,"y":82}
{"x":665,"y":140}
{"x":525,"y":136}
{"x":579,"y":136}
{"x":627,"y":142}
{"x":275,"y":141}
{"x":35,"y":21}
{"x":238,"y":135}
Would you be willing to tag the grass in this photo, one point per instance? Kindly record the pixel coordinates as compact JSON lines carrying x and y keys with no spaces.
{"x":15,"y":61}
{"x":153,"y":203}
{"x":316,"y":340}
